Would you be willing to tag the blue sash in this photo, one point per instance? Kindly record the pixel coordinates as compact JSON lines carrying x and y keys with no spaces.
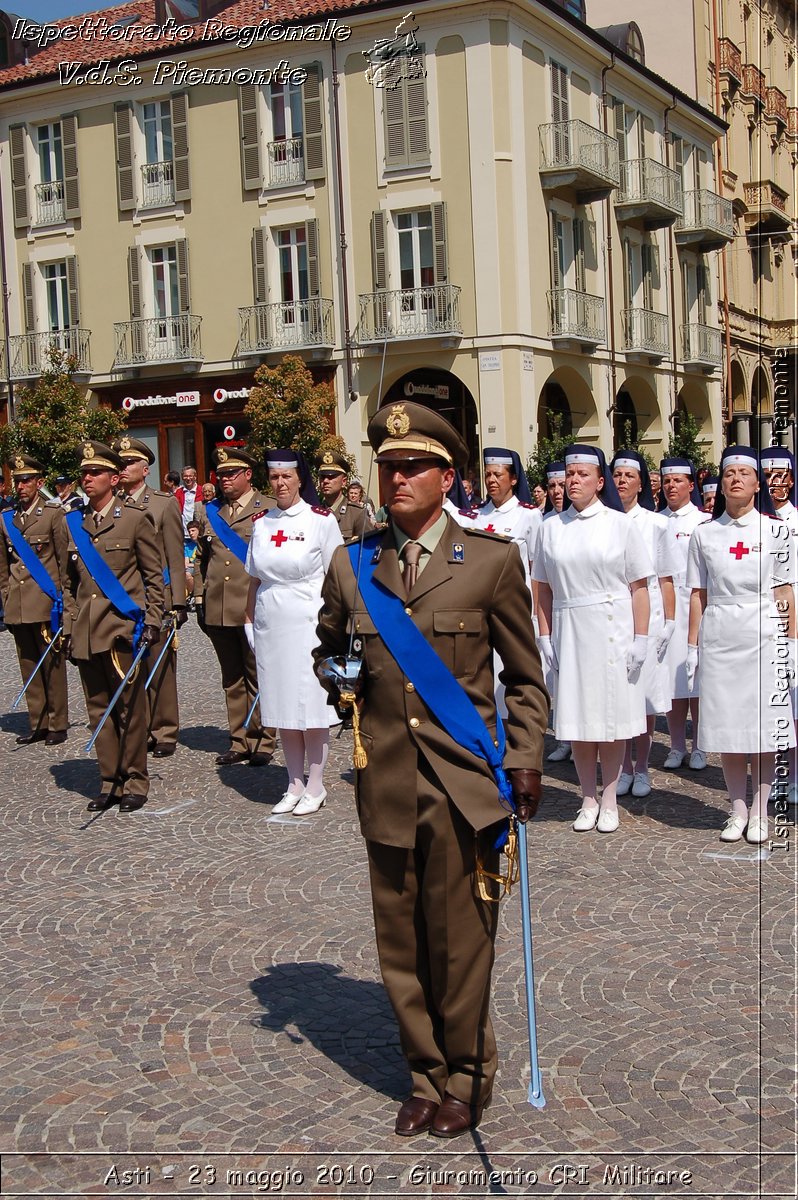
{"x":166,"y":576}
{"x":38,"y":572}
{"x":225,"y":533}
{"x":432,"y":679}
{"x":104,"y":577}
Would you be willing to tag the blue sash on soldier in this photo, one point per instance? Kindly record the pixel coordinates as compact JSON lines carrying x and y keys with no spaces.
{"x":225,"y":533}
{"x":443,"y":695}
{"x":104,"y":577}
{"x":38,"y":572}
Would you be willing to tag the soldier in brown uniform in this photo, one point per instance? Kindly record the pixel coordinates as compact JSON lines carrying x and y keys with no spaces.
{"x":221,"y":589}
{"x":28,"y":608}
{"x":428,"y":805}
{"x":352,"y":518}
{"x":164,"y":512}
{"x":99,"y":637}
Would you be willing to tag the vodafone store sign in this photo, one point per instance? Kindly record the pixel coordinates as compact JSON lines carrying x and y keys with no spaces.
{"x":179,"y":400}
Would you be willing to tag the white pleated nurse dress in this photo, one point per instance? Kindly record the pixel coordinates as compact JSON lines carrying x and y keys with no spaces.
{"x":681,"y":526}
{"x":656,"y":679}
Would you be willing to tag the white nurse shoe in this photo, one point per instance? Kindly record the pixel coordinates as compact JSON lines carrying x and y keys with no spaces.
{"x":674,"y":760}
{"x":698,"y":760}
{"x":287,"y":803}
{"x":757,"y":831}
{"x":310,"y":804}
{"x":641,"y":786}
{"x":560,"y":753}
{"x":624,"y":784}
{"x":733,"y":830}
{"x":585,"y":819}
{"x":607,"y":820}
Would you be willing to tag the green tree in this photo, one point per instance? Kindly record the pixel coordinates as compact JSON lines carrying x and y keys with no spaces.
{"x":548,"y":449}
{"x":684,"y":442}
{"x":286,"y":408}
{"x":54,"y":416}
{"x":627,"y":442}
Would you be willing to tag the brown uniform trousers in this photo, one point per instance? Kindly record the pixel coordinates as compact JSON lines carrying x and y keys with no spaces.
{"x":426,"y":804}
{"x":164,"y":512}
{"x":126,"y":541}
{"x":223,"y":590}
{"x":27,"y":614}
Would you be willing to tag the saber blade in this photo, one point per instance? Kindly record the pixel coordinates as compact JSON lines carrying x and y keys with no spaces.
{"x":158,"y":660}
{"x":142,"y":650}
{"x":252,"y":710}
{"x":535,"y":1094}
{"x":50,"y":646}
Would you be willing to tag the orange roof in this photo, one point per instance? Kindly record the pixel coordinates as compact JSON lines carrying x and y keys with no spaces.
{"x":93,"y":45}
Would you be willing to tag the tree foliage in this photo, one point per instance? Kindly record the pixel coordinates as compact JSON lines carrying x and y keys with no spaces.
{"x":286,"y":408}
{"x":54,"y":417}
{"x":627,"y":442}
{"x":548,"y":449}
{"x":684,"y":442}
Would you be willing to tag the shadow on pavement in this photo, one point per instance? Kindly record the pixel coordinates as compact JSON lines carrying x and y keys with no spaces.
{"x":213,"y":739}
{"x":77,"y":775}
{"x":15,"y":722}
{"x":350,"y":1021}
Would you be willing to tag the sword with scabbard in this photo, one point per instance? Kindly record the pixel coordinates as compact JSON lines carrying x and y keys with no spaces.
{"x":139,"y":655}
{"x":170,"y":623}
{"x":53,"y":644}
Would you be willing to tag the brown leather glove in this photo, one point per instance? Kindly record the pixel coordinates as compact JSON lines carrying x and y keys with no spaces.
{"x":151,"y":635}
{"x":65,"y":649}
{"x":526,"y":792}
{"x":181,"y":615}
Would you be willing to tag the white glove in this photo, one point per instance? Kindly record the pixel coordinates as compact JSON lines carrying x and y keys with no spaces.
{"x":635,"y":657}
{"x":664,"y":640}
{"x":691,"y":666}
{"x":249,"y":633}
{"x":548,"y":654}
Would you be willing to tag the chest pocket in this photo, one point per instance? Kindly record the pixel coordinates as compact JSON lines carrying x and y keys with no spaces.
{"x":372,"y":649}
{"x":37,"y":544}
{"x":457,"y":634}
{"x":114,"y":544}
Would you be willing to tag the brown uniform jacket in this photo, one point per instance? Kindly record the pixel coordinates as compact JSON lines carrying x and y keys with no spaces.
{"x":352,"y":518}
{"x":23,"y":600}
{"x":164,"y":512}
{"x":223,"y":582}
{"x":126,"y":540}
{"x":466,"y":610}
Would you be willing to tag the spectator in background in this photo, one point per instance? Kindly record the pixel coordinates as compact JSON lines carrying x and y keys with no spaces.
{"x":67,"y":497}
{"x":171,"y":481}
{"x":208,"y":492}
{"x":188,"y":495}
{"x":191,"y":547}
{"x":539,"y":496}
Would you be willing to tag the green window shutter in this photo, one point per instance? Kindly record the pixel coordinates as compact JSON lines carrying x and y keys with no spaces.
{"x":312,"y":125}
{"x":259,"y":282}
{"x":19,"y":176}
{"x":183,"y":294}
{"x":28,"y":302}
{"x":440,"y":258}
{"x":312,"y":244}
{"x":69,"y":139}
{"x":125,"y":188}
{"x":249,"y":132}
{"x":179,"y":102}
{"x":134,"y":282}
{"x":378,"y":260}
{"x":72,"y":290}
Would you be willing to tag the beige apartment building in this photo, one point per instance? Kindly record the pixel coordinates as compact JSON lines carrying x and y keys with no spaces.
{"x":493,"y":209}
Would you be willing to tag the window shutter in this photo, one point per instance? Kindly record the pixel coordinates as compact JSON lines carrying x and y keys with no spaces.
{"x":259,"y":284}
{"x":440,"y":260}
{"x":183,"y":294}
{"x":28,"y":303}
{"x":647,"y":138}
{"x":313,"y":136}
{"x":395,"y":131}
{"x":69,"y":139}
{"x":656,"y":278}
{"x":125,"y":189}
{"x":579,"y":254}
{"x":134,"y":282}
{"x":417,"y":132}
{"x":72,"y":291}
{"x":628,"y":279}
{"x":647,"y":271}
{"x":19,"y":179}
{"x":179,"y":102}
{"x":379,"y":264}
{"x":312,"y":243}
{"x":619,"y":119}
{"x":702,"y":287}
{"x":559,"y":92}
{"x":250,"y":137}
{"x":556,"y":272}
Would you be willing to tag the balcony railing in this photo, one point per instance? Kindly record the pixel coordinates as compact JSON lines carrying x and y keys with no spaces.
{"x":708,"y":219}
{"x":753,"y":83}
{"x":286,"y":162}
{"x":576,"y":315}
{"x":157,"y":184}
{"x":702,"y":345}
{"x":776,"y":105}
{"x":766,"y":203}
{"x":412,"y":313}
{"x":158,"y":340}
{"x":30,"y":351}
{"x":264,"y":327}
{"x":573,"y":153}
{"x":731,"y":62}
{"x":649,"y":190}
{"x":49,"y":202}
{"x":646,"y":332}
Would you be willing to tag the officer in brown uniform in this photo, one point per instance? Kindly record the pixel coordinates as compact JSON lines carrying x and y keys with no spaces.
{"x":352,"y":518}
{"x":164,"y":512}
{"x":221,"y":599}
{"x":27,"y":607}
{"x":428,"y":806}
{"x":100,"y":638}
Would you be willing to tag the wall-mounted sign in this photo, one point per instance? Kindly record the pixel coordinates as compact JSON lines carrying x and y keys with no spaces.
{"x":439,"y":390}
{"x":180,"y":400}
{"x":528,"y":360}
{"x":221,"y":394}
{"x":229,"y":432}
{"x":490,"y":362}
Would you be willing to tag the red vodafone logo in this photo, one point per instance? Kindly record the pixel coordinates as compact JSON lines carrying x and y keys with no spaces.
{"x":229,"y":432}
{"x":220,"y":395}
{"x":128,"y":403}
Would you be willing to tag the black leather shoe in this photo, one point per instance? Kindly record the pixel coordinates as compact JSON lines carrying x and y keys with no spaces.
{"x":163,"y":751}
{"x":27,"y":739}
{"x":260,"y":760}
{"x":151,"y":744}
{"x":455,"y":1117}
{"x":232,"y":756}
{"x":56,"y":738}
{"x":415,"y":1116}
{"x":100,"y":804}
{"x":132,"y":803}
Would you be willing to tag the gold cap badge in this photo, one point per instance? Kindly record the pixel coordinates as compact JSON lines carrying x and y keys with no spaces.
{"x":222,"y":454}
{"x":398,"y":423}
{"x":125,"y":443}
{"x":88,"y":450}
{"x":328,"y":459}
{"x":19,"y":464}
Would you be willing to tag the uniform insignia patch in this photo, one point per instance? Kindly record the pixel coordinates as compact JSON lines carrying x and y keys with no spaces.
{"x":377,"y":555}
{"x":117,"y":512}
{"x":328,"y":459}
{"x":319,"y":508}
{"x":19,"y":463}
{"x":125,"y":443}
{"x":458,"y":552}
{"x":255,"y":517}
{"x":221,"y":454}
{"x":88,"y":450}
{"x":398,"y":422}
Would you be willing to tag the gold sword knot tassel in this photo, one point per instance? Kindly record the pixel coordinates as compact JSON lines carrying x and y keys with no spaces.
{"x":359,"y":756}
{"x":487,"y":879}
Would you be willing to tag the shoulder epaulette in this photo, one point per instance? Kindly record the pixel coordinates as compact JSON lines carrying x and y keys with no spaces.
{"x":257,"y":516}
{"x":319,"y":508}
{"x":471,"y":513}
{"x":158,"y":492}
{"x":494,"y":537}
{"x":523,"y":504}
{"x":52,"y":504}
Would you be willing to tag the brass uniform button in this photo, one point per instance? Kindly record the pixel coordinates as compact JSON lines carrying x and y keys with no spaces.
{"x":414,"y":722}
{"x":409,"y":612}
{"x":409,"y":687}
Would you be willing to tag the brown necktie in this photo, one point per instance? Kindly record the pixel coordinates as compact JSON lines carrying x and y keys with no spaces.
{"x":97,"y":519}
{"x":234,"y":509}
{"x":412,"y":554}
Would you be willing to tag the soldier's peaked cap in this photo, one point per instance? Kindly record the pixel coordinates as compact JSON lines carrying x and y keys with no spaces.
{"x":128,"y":447}
{"x":409,"y":430}
{"x":234,"y":457}
{"x":331,"y":462}
{"x":24,"y":465}
{"x":97,"y":454}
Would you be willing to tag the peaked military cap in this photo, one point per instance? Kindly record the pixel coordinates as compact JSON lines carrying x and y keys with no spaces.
{"x":233,"y":457}
{"x":408,"y":430}
{"x":331,"y":462}
{"x":128,"y":447}
{"x":97,"y":454}
{"x":23,"y":466}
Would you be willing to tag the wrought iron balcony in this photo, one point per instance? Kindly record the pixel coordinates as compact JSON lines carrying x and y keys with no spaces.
{"x":574,"y":154}
{"x":303,"y":323}
{"x":49,"y":202}
{"x":158,"y":340}
{"x":576,"y":316}
{"x":766,"y":203}
{"x":157,"y":184}
{"x":708,"y":221}
{"x":753,"y":84}
{"x":286,"y":162}
{"x":776,"y":106}
{"x":645,"y":332}
{"x":412,"y":313}
{"x":648,"y":191}
{"x":30,"y":352}
{"x":731,"y":62}
{"x":702,"y":346}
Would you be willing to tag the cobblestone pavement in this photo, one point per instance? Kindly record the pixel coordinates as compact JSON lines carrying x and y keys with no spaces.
{"x":191,"y":993}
